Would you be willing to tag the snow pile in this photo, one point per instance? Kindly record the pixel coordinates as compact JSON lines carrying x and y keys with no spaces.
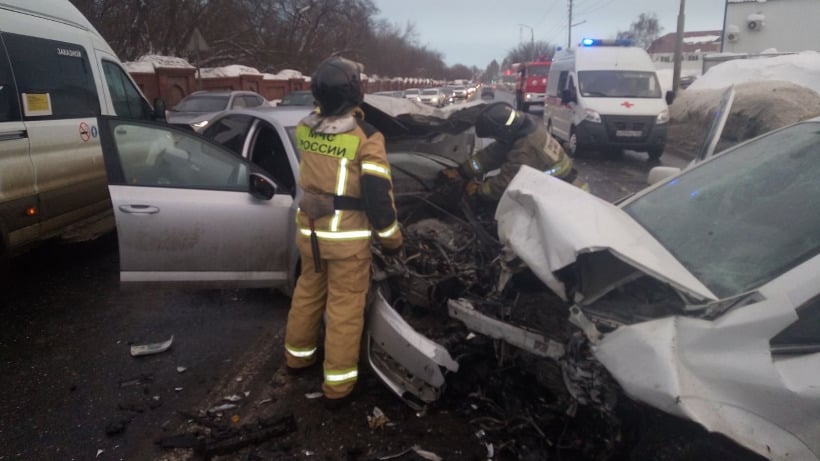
{"x":802,"y":69}
{"x":286,"y":74}
{"x":770,"y":93}
{"x":758,"y":107}
{"x":147,"y":63}
{"x":234,"y":70}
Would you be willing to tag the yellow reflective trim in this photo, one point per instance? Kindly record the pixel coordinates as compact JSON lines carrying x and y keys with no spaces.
{"x":376,"y":169}
{"x":511,"y":119}
{"x":330,"y":145}
{"x":342,"y":376}
{"x":390,"y":230}
{"x":339,"y":235}
{"x":300,"y":351}
{"x":334,"y":222}
{"x":341,"y":178}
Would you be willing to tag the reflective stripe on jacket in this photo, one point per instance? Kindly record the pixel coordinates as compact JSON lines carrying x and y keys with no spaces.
{"x":347,"y":157}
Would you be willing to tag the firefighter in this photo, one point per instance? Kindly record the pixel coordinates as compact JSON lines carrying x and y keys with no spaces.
{"x":347,"y":198}
{"x":519,"y":140}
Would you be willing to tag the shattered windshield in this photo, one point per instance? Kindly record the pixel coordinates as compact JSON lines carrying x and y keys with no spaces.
{"x":619,"y":84}
{"x":746,"y":217}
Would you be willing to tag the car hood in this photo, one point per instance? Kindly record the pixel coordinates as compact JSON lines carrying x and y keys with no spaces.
{"x":551,"y":225}
{"x":402,"y":118}
{"x":626,"y":106}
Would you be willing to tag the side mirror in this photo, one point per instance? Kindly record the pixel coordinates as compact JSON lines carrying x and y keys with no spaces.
{"x":670,"y":97}
{"x":659,"y":173}
{"x":261,"y":187}
{"x":159,"y":110}
{"x":567,"y":96}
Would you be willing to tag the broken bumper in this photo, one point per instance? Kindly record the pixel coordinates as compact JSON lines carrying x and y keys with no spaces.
{"x":411,"y":365}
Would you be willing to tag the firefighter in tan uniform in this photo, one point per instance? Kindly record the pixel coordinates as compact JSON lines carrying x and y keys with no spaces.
{"x":519,"y":140}
{"x":347,"y":198}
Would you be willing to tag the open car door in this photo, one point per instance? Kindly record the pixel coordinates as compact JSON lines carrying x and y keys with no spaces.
{"x":185,"y":212}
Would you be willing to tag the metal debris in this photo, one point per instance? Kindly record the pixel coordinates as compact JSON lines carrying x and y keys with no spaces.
{"x":221,"y":408}
{"x":378,"y":419}
{"x":428,"y":455}
{"x":150,"y":349}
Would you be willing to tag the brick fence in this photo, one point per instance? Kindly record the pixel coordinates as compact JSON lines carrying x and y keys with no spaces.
{"x":171,"y":84}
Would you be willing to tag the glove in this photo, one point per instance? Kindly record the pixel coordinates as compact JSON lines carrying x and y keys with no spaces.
{"x":471,"y":188}
{"x":449,"y":175}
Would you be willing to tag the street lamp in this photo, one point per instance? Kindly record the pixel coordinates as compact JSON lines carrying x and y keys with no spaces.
{"x":532,"y":40}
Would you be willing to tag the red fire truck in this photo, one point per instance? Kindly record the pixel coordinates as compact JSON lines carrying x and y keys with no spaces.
{"x":531,"y":87}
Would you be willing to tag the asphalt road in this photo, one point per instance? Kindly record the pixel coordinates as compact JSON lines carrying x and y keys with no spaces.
{"x":67,"y":326}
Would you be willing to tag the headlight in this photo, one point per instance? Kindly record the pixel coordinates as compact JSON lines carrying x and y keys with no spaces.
{"x":663,"y":117}
{"x":200,"y":124}
{"x":592,"y":116}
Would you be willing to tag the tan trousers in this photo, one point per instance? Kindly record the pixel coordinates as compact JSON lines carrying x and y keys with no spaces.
{"x":341,"y":290}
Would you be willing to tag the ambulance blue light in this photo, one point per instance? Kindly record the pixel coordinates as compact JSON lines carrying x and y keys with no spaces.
{"x":589,"y":42}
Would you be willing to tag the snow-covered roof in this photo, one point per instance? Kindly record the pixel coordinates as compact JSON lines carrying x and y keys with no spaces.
{"x":701,"y":39}
{"x":147,"y":63}
{"x":286,"y":74}
{"x":234,"y":70}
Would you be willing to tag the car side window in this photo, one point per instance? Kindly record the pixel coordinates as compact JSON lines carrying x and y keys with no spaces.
{"x":9,"y":107}
{"x":158,"y":155}
{"x":802,"y":336}
{"x":230,"y":131}
{"x":54,"y":78}
{"x":238,"y":102}
{"x":268,"y":152}
{"x":128,"y":102}
{"x":253,"y":101}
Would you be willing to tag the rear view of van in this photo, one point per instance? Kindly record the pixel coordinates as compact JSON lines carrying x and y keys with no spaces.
{"x":57,"y":75}
{"x":606,"y":96}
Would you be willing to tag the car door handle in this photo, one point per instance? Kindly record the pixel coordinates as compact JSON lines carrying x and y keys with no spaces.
{"x":139,"y":209}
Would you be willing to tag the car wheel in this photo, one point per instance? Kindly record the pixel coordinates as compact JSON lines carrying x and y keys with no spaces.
{"x":572,"y":144}
{"x":655,"y":154}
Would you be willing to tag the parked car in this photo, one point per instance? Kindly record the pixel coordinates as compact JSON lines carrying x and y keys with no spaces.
{"x":433,"y":97}
{"x":199,"y":105}
{"x":448,"y":94}
{"x":298,"y":98}
{"x":392,"y":94}
{"x":413,"y":94}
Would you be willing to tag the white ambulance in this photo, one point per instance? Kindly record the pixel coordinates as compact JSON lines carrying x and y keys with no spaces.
{"x":606,"y":96}
{"x":57,"y":76}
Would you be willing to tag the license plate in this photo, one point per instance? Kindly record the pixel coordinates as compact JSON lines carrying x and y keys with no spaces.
{"x":628,"y":134}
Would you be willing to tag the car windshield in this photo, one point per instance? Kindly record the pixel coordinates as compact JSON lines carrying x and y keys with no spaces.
{"x":538,"y":71}
{"x":747,"y":216}
{"x":297,"y":98}
{"x":202,"y":104}
{"x":619,"y":84}
{"x":429,"y":92}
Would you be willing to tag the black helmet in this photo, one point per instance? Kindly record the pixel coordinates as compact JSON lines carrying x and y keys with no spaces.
{"x":336,"y":86}
{"x":500,"y":121}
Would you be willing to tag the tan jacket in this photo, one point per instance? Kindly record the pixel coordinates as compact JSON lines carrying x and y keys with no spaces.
{"x":537,"y":149}
{"x":345,"y":157}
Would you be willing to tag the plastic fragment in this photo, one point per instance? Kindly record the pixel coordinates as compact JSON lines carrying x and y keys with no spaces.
{"x":150,"y":349}
{"x":490,"y":450}
{"x":313,"y":395}
{"x":378,"y":419}
{"x":99,"y":452}
{"x":181,"y":369}
{"x":232,"y":398}
{"x":177,"y":389}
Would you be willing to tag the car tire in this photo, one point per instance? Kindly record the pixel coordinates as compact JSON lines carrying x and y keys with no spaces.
{"x":655,"y":154}
{"x":572,"y":147}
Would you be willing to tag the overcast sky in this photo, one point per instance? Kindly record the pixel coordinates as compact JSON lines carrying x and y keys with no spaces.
{"x":474,"y":32}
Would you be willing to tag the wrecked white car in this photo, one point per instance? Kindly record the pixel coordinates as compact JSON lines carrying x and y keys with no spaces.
{"x":698,"y":297}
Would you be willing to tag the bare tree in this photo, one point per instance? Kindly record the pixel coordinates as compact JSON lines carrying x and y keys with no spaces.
{"x":643,"y":31}
{"x":526,"y":52}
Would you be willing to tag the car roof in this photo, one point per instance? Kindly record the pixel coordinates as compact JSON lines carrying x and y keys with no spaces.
{"x":222,"y":93}
{"x":287,"y":116}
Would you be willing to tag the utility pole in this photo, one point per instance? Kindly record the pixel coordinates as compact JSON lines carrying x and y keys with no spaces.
{"x":569,"y":26}
{"x":532,"y":41}
{"x":678,"y":49}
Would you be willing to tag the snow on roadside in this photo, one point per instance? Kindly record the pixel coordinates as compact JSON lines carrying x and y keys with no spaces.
{"x":801,"y":69}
